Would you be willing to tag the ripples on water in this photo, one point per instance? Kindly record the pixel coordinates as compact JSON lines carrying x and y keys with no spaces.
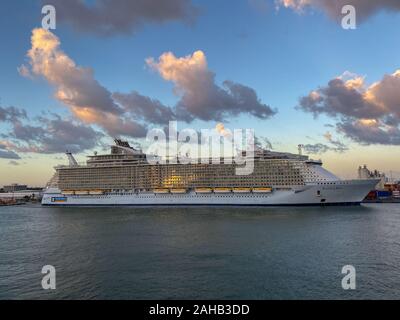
{"x":200,"y":253}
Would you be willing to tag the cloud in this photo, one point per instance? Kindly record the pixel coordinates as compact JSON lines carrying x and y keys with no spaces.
{"x":335,"y":99}
{"x":338,"y":146}
{"x":320,"y":148}
{"x":148,"y":109}
{"x":369,"y":131}
{"x":366,"y":114}
{"x":317,"y":148}
{"x":64,"y":135}
{"x":263,"y":143}
{"x":5,"y":153}
{"x":44,"y":134}
{"x":114,"y":125}
{"x":24,"y":71}
{"x":333,"y":8}
{"x":76,"y":87}
{"x":106,"y":17}
{"x":221,"y":130}
{"x":53,"y":135}
{"x":200,"y":96}
{"x":129,"y":114}
{"x":11,"y":114}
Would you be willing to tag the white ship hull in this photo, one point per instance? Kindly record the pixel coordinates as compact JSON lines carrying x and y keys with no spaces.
{"x":350,"y":192}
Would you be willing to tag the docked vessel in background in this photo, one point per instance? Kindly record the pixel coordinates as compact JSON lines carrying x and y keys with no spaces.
{"x":125,"y":178}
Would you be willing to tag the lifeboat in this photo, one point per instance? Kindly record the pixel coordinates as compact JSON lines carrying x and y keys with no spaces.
{"x":161,"y":191}
{"x":96,"y":192}
{"x":222,"y":190}
{"x":241,"y":190}
{"x":178,"y":191}
{"x":68,"y":192}
{"x":262,"y":190}
{"x":203,"y":190}
{"x":82,"y":192}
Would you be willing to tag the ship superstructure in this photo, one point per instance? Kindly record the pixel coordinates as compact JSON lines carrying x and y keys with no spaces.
{"x":124,"y":177}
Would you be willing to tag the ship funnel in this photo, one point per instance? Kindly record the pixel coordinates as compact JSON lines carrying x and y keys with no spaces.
{"x":71,"y":159}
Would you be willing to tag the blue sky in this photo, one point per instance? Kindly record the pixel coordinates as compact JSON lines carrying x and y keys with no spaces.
{"x":281,"y":54}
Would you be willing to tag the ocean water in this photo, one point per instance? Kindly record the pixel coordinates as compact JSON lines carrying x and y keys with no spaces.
{"x":200,"y":253}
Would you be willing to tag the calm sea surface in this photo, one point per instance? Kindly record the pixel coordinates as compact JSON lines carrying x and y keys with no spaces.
{"x":200,"y":253}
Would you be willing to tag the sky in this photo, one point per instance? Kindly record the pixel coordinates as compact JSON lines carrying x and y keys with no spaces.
{"x":285,"y":68}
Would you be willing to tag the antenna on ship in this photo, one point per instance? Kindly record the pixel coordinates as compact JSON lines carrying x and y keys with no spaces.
{"x":71,"y":159}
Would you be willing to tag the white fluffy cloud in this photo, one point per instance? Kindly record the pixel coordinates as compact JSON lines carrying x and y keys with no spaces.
{"x":366,"y":113}
{"x":76,"y":87}
{"x":201,"y":97}
{"x":129,"y":114}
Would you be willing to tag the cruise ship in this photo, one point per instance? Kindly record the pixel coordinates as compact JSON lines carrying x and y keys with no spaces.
{"x":125,"y":178}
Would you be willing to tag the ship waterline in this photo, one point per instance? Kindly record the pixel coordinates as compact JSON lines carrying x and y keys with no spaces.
{"x":124,"y":178}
